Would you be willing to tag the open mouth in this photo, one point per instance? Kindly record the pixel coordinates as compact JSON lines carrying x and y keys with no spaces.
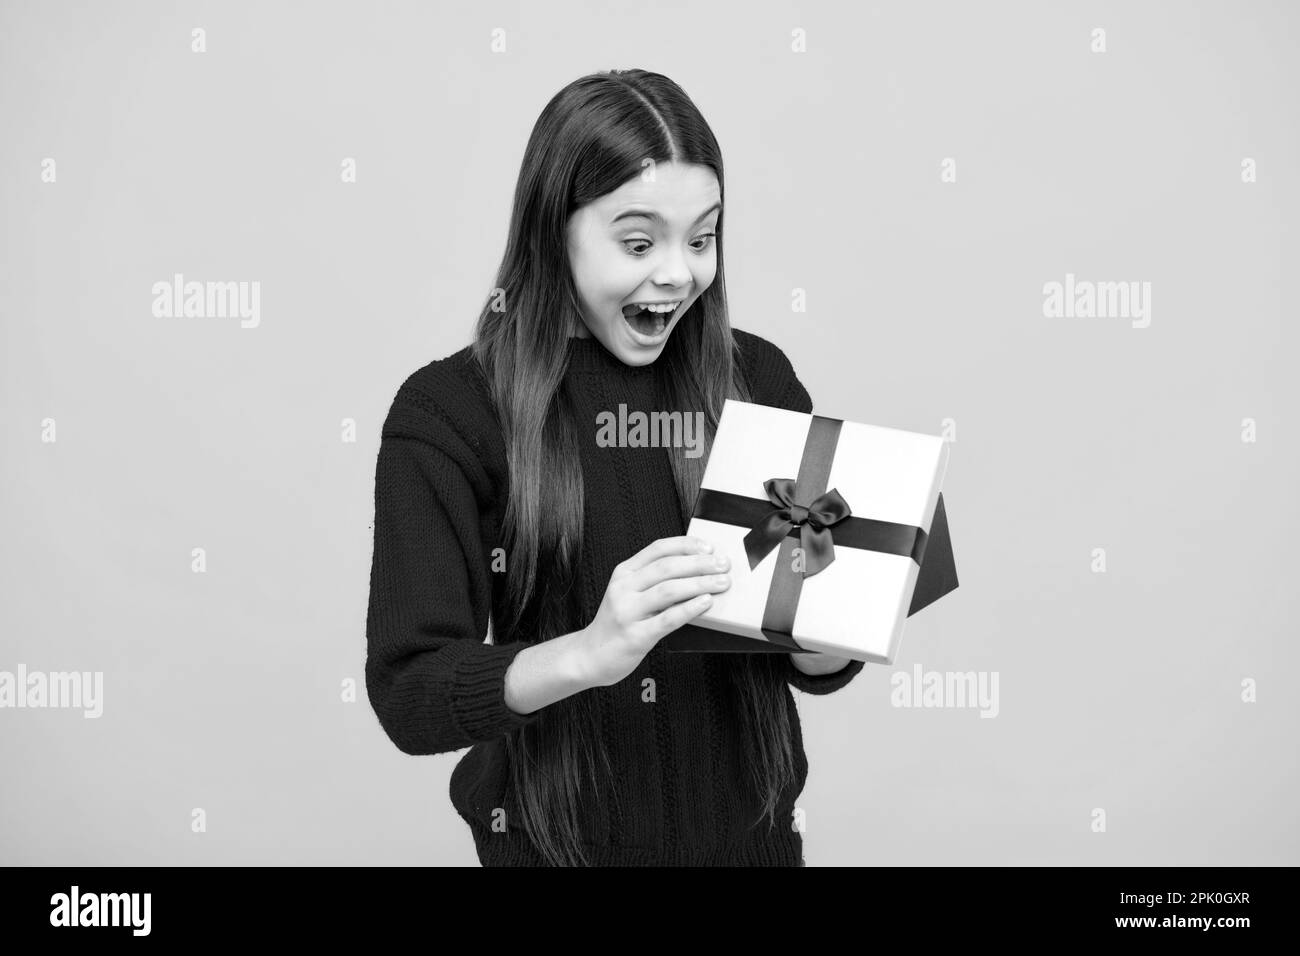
{"x":650,"y":319}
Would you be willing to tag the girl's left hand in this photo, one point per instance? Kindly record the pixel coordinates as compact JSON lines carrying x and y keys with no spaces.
{"x":815,"y":664}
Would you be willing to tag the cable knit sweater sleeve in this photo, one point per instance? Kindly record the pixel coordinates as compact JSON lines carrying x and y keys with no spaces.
{"x":776,"y":384}
{"x":434,"y":684}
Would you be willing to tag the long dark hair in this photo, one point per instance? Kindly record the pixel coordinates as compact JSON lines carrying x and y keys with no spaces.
{"x":591,"y":138}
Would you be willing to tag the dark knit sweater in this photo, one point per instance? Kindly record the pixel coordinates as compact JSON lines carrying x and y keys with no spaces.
{"x":441,"y":482}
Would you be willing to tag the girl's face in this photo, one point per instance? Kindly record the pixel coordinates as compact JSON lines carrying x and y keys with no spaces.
{"x":649,"y":241}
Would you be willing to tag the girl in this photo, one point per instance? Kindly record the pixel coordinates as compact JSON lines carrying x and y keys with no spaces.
{"x":498,"y":513}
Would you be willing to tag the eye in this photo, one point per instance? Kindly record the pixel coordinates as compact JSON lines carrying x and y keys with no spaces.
{"x":704,"y":241}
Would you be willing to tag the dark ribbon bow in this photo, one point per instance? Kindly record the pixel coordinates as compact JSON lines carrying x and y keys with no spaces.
{"x":814,"y":521}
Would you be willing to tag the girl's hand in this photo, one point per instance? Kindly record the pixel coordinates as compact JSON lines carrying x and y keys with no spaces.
{"x":666,"y":584}
{"x":816,"y":664}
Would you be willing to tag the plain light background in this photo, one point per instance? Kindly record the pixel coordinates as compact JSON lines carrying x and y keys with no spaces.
{"x":1119,"y":690}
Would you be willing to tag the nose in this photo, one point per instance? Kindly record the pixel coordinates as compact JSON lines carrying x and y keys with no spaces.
{"x":674,"y":272}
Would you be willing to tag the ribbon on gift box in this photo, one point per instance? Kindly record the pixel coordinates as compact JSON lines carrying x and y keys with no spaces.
{"x":803,"y":510}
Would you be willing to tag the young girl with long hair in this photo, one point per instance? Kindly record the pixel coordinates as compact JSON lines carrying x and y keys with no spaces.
{"x":500,"y":513}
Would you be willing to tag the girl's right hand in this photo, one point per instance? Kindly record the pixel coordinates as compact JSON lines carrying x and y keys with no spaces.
{"x":666,"y":584}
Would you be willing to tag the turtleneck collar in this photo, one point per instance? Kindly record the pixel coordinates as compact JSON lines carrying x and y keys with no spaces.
{"x":590,"y":355}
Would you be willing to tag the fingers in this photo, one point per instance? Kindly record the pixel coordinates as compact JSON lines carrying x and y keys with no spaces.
{"x":677,"y":566}
{"x":661,"y":548}
{"x":675,"y":590}
{"x":669,"y":582}
{"x":679,"y":615}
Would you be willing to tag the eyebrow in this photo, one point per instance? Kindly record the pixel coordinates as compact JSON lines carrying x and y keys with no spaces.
{"x":655,"y":217}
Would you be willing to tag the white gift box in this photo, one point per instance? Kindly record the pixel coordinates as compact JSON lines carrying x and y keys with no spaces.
{"x":862,"y":497}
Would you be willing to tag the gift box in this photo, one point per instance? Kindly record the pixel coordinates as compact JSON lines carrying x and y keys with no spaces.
{"x":836,"y":532}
